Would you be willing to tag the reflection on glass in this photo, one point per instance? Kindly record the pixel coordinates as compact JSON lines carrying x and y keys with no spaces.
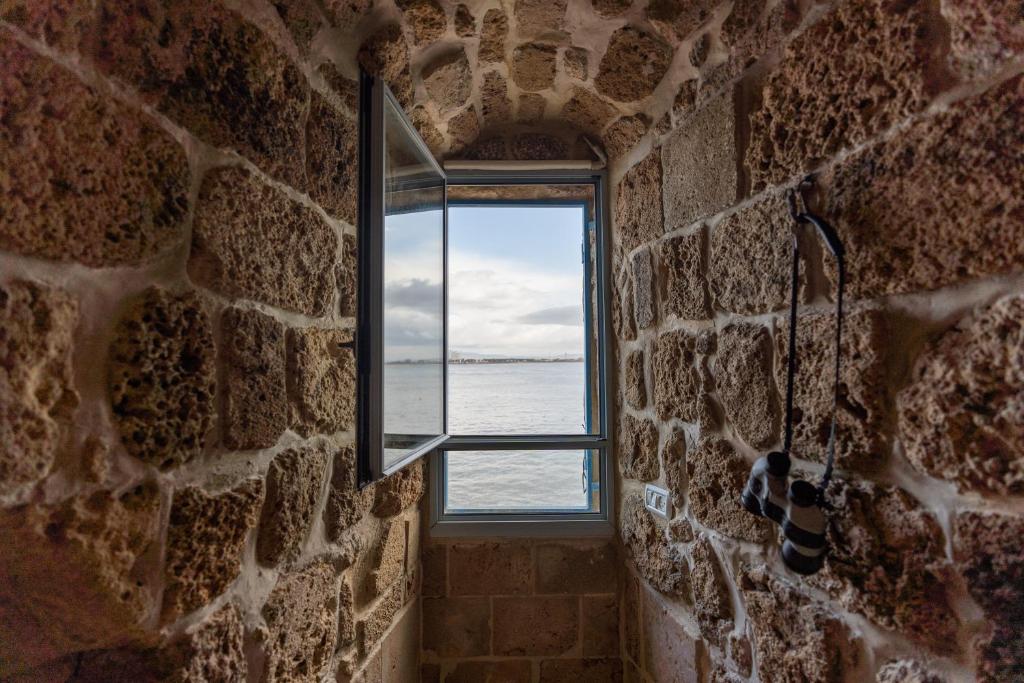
{"x":413,"y":294}
{"x":521,"y":481}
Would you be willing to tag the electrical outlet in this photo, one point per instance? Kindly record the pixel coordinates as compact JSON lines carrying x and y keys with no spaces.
{"x":657,"y":500}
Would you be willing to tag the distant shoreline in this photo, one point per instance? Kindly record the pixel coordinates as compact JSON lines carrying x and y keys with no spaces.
{"x":487,"y":361}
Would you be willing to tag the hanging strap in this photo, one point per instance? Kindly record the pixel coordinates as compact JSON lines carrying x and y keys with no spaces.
{"x":831,"y":239}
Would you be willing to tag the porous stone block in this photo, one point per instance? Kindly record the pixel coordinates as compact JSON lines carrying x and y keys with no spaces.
{"x":255,"y":402}
{"x":465,"y":22}
{"x":490,"y":569}
{"x":534,"y":626}
{"x":85,"y":178}
{"x":537,"y":146}
{"x":610,"y":8}
{"x":161,"y":377}
{"x":635,"y":384}
{"x":679,"y":378}
{"x":398,"y":663}
{"x":346,"y":615}
{"x":78,"y":579}
{"x":574,"y":63}
{"x":332,"y":158}
{"x":434,"y":561}
{"x":294,"y":481}
{"x":699,"y":50}
{"x":346,"y":502}
{"x":37,"y":393}
{"x":463,"y":128}
{"x":345,"y":274}
{"x":638,"y":211}
{"x":302,"y":19}
{"x":205,"y":537}
{"x":398,"y":491}
{"x":492,"y":37}
{"x":985,"y":34}
{"x":684,"y":287}
{"x":252,"y":241}
{"x":743,"y":376}
{"x":624,"y":133}
{"x":385,"y":54}
{"x":702,"y":164}
{"x":505,"y":670}
{"x":638,"y":448}
{"x":322,"y":376}
{"x":623,"y":320}
{"x":59,"y":23}
{"x":389,"y":557}
{"x":540,"y":17}
{"x":868,"y":64}
{"x":564,"y":568}
{"x":903,"y":228}
{"x":588,"y":112}
{"x":301,"y":616}
{"x":531,"y":107}
{"x":717,"y":475}
{"x":346,"y":13}
{"x":213,"y":73}
{"x":426,"y":126}
{"x":750,"y":31}
{"x":571,"y":670}
{"x":495,"y":106}
{"x":426,"y":18}
{"x":673,"y":456}
{"x":906,"y":671}
{"x":644,"y":288}
{"x":659,"y":562}
{"x":379,"y":619}
{"x":887,"y":562}
{"x":671,"y":654}
{"x":865,"y":400}
{"x":633,"y":65}
{"x":796,"y":639}
{"x":457,"y":627}
{"x":600,"y":624}
{"x":750,"y":258}
{"x":447,"y":79}
{"x":676,"y":20}
{"x":533,"y":66}
{"x":710,"y":591}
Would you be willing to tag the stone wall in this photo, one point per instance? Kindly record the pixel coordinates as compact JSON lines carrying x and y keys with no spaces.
{"x":177,"y":485}
{"x":520,"y":611}
{"x":911,"y":116}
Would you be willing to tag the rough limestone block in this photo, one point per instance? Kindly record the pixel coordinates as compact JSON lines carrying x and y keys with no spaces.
{"x":680,"y":384}
{"x":492,"y":37}
{"x":717,"y":475}
{"x":85,"y":179}
{"x":400,"y":490}
{"x":59,"y":23}
{"x":673,"y":455}
{"x":347,"y":13}
{"x":302,"y":19}
{"x":448,"y":80}
{"x":78,"y":580}
{"x":301,"y":617}
{"x":568,"y":569}
{"x":502,"y":568}
{"x":385,"y":54}
{"x":659,"y":562}
{"x":743,"y":375}
{"x":374,"y":625}
{"x":796,"y":639}
{"x":635,"y":384}
{"x":294,"y":481}
{"x":638,"y":449}
{"x":426,"y":18}
{"x":624,"y":133}
{"x":251,"y":241}
{"x":464,"y":128}
{"x":255,"y":403}
{"x":748,"y":33}
{"x":865,"y":400}
{"x":702,"y":164}
{"x":887,"y":562}
{"x":213,"y":73}
{"x":541,"y":18}
{"x":751,"y":258}
{"x":531,"y":107}
{"x":205,"y":537}
{"x":457,"y":627}
{"x":633,"y":65}
{"x":671,"y":654}
{"x":865,"y":66}
{"x":574,"y":63}
{"x":533,"y":66}
{"x":346,"y":615}
{"x":638,"y":211}
{"x":465,"y":22}
{"x":985,"y":34}
{"x":332,"y":159}
{"x":426,"y":126}
{"x":623,"y":320}
{"x":389,"y":557}
{"x":676,"y":20}
{"x":322,"y":376}
{"x":537,"y":146}
{"x":962,"y":419}
{"x":644,"y":288}
{"x":906,"y":671}
{"x":534,"y":626}
{"x":588,"y":112}
{"x":938,"y":204}
{"x":210,"y":651}
{"x":161,"y":377}
{"x":685,"y":289}
{"x":495,"y":105}
{"x":37,"y":393}
{"x":346,"y":503}
{"x":600,"y":623}
{"x":710,"y":591}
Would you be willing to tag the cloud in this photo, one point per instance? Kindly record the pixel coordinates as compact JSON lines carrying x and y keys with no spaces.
{"x":418,"y":293}
{"x":571,"y":316}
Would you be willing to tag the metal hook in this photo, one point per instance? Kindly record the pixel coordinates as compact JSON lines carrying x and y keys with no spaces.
{"x":799,"y":214}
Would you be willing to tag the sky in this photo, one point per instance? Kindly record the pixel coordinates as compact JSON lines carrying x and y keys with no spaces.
{"x":515,"y":282}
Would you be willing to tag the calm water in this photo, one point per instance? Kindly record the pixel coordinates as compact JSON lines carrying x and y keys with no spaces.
{"x":510,"y":398}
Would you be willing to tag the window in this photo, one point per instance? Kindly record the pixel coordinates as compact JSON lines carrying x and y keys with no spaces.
{"x":483,"y":316}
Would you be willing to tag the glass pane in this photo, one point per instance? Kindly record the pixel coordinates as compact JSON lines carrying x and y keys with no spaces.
{"x":519,"y":350}
{"x":413,"y":293}
{"x":521,"y":481}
